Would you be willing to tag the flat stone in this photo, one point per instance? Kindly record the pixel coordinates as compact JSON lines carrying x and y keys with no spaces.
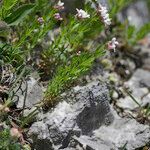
{"x":29,"y":91}
{"x":85,"y":120}
{"x":146,"y":100}
{"x":139,"y":85}
{"x":141,"y":78}
{"x":135,"y":14}
{"x":123,"y":131}
{"x":83,"y":110}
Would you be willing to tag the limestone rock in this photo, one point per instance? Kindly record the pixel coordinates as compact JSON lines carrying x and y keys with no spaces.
{"x":135,"y":14}
{"x":83,"y":110}
{"x":84,"y":120}
{"x":139,"y":84}
{"x":31,"y":89}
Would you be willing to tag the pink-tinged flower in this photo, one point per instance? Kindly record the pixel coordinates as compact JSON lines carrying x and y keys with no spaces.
{"x":59,"y":5}
{"x":104,"y":14}
{"x":40,"y":20}
{"x":14,"y":132}
{"x":6,"y":109}
{"x":58,"y":17}
{"x":81,"y":14}
{"x":113,"y":44}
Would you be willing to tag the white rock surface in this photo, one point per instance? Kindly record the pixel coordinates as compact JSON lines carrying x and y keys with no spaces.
{"x":31,"y":89}
{"x":84,"y":121}
{"x":139,"y":84}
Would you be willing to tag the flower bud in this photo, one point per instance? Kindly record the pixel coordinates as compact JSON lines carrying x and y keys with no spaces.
{"x":58,"y":17}
{"x":40,"y":20}
{"x":14,"y":132}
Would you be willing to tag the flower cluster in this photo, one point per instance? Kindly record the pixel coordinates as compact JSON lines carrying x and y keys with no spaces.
{"x":40,"y":20}
{"x":81,"y":14}
{"x":59,"y":5}
{"x":113,"y":44}
{"x":104,"y":14}
{"x":58,"y":17}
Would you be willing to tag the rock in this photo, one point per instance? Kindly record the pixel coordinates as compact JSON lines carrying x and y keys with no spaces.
{"x":145,"y":52}
{"x":103,"y":2}
{"x":135,"y":14}
{"x":70,"y":7}
{"x":123,"y":131}
{"x":84,"y":120}
{"x":139,"y":84}
{"x":146,"y":65}
{"x":31,"y":89}
{"x":146,"y":100}
{"x":83,"y":110}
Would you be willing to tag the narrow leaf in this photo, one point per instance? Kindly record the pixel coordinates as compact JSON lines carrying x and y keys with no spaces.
{"x":8,"y":4}
{"x":19,"y":14}
{"x":145,"y":29}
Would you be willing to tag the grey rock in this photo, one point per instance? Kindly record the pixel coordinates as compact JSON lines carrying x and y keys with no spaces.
{"x":145,"y":52}
{"x":137,"y":13}
{"x":146,"y":64}
{"x":29,"y":91}
{"x":85,"y":121}
{"x":70,"y":6}
{"x":103,"y":2}
{"x":123,"y":131}
{"x":83,"y":110}
{"x":146,"y":100}
{"x":139,"y":84}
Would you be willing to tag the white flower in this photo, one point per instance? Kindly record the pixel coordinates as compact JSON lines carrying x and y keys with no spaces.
{"x":104,"y":14}
{"x":59,"y":5}
{"x":113,"y":44}
{"x":81,"y":14}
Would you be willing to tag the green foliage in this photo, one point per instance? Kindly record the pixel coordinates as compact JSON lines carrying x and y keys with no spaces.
{"x":4,"y":30}
{"x":130,"y":34}
{"x":30,"y":32}
{"x":12,"y":14}
{"x":75,"y":35}
{"x":19,"y":14}
{"x":64,"y":59}
{"x":7,"y":142}
{"x":144,"y":30}
{"x":59,"y":58}
{"x":117,"y":5}
{"x":67,"y":74}
{"x":147,"y":111}
{"x":133,"y":35}
{"x":9,"y":4}
{"x":10,"y":55}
